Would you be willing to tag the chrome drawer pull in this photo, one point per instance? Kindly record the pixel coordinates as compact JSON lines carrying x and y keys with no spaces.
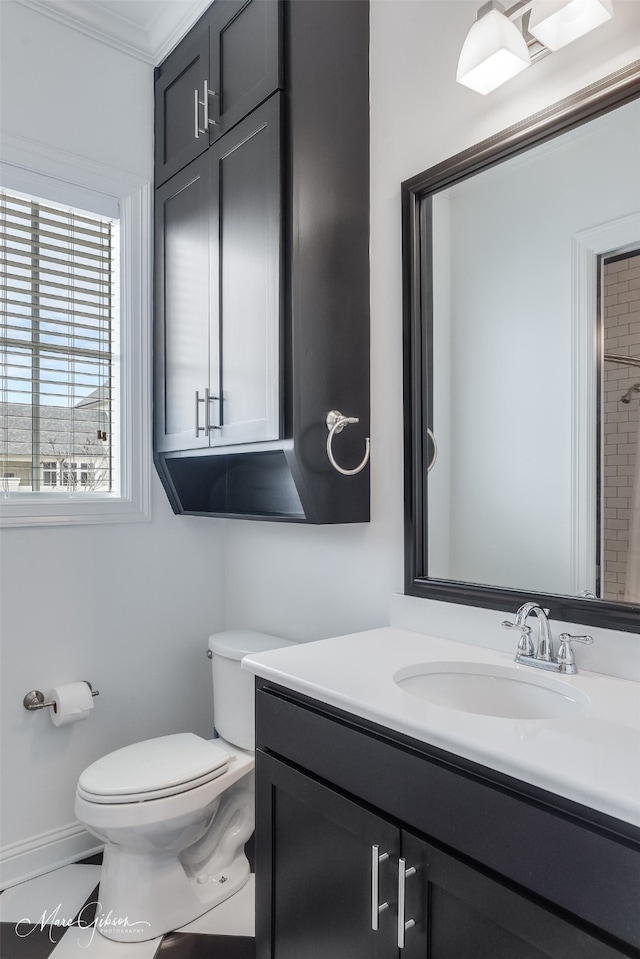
{"x":376,"y":909}
{"x":403,"y":874}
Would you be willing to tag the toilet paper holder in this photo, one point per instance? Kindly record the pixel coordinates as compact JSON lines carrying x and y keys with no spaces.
{"x":35,"y":699}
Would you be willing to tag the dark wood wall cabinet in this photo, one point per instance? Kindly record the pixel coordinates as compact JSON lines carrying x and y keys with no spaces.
{"x":262,"y":261}
{"x":371,"y":845}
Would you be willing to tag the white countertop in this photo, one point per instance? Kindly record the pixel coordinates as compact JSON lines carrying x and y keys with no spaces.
{"x":593,"y":758}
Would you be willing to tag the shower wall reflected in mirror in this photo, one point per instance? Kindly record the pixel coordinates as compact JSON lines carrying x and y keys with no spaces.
{"x":620,"y":437}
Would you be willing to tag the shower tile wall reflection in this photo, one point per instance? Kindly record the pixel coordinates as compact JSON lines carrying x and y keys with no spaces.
{"x":621,"y":422}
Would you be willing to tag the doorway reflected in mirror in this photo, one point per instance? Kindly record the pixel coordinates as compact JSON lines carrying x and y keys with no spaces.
{"x":620,"y":404}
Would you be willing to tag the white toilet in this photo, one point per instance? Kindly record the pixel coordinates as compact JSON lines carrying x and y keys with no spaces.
{"x":175,"y":812}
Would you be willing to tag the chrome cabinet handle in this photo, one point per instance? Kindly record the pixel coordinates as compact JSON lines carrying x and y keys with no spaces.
{"x":196,"y":118}
{"x":403,"y":925}
{"x":208,"y":122}
{"x":204,"y":103}
{"x":376,"y":908}
{"x":199,"y":400}
{"x":208,"y":425}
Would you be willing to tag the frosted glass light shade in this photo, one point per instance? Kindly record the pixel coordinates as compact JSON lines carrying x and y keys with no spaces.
{"x":557,"y":22}
{"x":493,"y":52}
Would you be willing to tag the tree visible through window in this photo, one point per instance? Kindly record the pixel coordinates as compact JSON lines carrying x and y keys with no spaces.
{"x":58,"y":313}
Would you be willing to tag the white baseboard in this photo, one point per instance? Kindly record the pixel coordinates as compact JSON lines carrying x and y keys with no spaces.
{"x":50,"y":850}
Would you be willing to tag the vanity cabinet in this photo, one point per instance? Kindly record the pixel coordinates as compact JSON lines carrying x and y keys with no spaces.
{"x":262,"y":262}
{"x":493,"y":868}
{"x":321,"y":868}
{"x":227,"y":65}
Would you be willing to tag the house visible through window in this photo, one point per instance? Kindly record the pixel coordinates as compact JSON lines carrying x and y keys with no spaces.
{"x":58,"y":314}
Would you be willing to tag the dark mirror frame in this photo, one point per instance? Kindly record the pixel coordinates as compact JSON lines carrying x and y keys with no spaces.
{"x":593,"y":101}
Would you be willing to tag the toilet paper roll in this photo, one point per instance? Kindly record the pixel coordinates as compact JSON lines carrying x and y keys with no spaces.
{"x":72,"y":703}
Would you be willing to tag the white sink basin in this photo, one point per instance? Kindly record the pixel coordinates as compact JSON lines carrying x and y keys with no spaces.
{"x":492,"y":690}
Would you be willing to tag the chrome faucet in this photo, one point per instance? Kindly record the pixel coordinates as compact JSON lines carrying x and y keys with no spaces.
{"x":543,"y":657}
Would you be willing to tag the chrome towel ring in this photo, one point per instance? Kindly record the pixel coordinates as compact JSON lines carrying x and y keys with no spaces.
{"x":435,"y":451}
{"x":336,"y":422}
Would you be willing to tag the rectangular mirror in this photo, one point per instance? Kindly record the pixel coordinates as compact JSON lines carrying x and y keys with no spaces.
{"x":522,"y":364}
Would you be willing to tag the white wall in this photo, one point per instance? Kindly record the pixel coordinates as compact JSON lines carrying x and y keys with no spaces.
{"x":65,"y":90}
{"x":307,"y":583}
{"x":128,"y":607}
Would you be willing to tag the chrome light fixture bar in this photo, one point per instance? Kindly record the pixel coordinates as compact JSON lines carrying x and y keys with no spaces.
{"x":502,"y":43}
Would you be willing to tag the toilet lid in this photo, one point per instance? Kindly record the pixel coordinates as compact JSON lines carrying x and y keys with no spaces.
{"x":156,"y":767}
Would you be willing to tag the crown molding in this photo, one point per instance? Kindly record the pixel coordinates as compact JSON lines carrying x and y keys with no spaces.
{"x":166,"y":31}
{"x":150,"y":44}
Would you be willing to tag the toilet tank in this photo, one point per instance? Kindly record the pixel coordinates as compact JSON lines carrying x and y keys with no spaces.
{"x":233,"y":688}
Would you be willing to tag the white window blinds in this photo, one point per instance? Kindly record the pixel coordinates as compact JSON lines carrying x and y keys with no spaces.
{"x":58,"y":313}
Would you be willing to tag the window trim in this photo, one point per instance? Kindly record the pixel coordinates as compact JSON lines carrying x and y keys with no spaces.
{"x":87,"y":184}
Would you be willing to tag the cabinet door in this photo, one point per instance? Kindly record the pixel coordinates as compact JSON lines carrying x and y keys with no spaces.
{"x":460,"y":913}
{"x":179,"y":113}
{"x":183,"y":344}
{"x":246,"y":248}
{"x":316,"y":863}
{"x":244,"y":59}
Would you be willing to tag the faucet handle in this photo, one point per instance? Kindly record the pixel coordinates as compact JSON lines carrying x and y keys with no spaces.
{"x":525,"y":645}
{"x":565,"y":659}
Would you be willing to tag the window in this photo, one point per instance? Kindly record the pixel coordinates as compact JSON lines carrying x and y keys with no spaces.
{"x":49,"y":473}
{"x":75,"y":297}
{"x":59,"y":313}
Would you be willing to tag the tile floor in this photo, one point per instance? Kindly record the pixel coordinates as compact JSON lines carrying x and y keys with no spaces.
{"x":226,"y":932}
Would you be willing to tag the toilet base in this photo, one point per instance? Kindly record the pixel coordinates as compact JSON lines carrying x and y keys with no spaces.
{"x":143,"y":897}
{"x":147,"y":890}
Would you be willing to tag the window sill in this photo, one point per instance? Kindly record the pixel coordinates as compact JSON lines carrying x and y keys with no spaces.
{"x":82,"y":509}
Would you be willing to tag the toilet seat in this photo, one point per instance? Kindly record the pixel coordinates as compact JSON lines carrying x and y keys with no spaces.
{"x":153,"y":769}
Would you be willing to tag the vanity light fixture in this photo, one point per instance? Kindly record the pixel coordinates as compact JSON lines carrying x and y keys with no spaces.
{"x":493,"y":51}
{"x":503,"y":42}
{"x":558,"y":22}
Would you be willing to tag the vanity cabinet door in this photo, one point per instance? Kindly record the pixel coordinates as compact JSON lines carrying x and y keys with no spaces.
{"x":314,"y":871}
{"x":460,"y":913}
